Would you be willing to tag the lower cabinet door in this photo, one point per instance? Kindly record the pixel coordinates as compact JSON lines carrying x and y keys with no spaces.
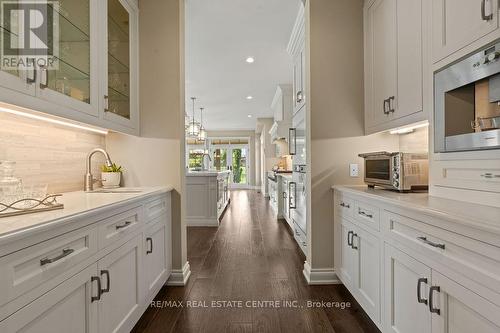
{"x":403,"y":311}
{"x":458,"y":309}
{"x":347,"y":256}
{"x":66,"y":308}
{"x":155,"y":259}
{"x":367,"y":272}
{"x":122,"y":287}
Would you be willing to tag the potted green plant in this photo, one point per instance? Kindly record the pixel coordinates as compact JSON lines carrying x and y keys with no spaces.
{"x":111,"y":176}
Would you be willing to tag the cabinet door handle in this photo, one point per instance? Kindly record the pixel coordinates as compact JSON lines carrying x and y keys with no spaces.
{"x":342,"y":204}
{"x":284,"y":195}
{"x":126,"y":224}
{"x":432,"y":309}
{"x":483,"y":11}
{"x":300,"y":96}
{"x":428,"y":242}
{"x":386,"y":106}
{"x":391,"y":105}
{"x":349,"y":238}
{"x":33,"y":78}
{"x":99,"y":290}
{"x":65,"y":253}
{"x":150,"y":240}
{"x":108,"y":280}
{"x":106,"y":103}
{"x":489,"y":175}
{"x":354,"y":247}
{"x":419,"y":290}
{"x":45,"y":83}
{"x":292,"y":141}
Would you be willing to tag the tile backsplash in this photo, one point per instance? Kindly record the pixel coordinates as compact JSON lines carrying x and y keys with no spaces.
{"x":47,"y":153}
{"x":415,"y":142}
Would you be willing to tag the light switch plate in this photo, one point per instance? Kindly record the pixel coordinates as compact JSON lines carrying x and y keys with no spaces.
{"x":354,"y":170}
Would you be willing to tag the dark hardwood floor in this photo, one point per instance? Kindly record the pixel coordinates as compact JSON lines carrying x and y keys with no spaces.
{"x":250,"y":257}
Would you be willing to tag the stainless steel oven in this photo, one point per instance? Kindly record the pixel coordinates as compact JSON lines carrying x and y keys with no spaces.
{"x":467,"y":103}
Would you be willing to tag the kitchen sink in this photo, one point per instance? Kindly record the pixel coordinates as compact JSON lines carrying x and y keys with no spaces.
{"x":116,"y":190}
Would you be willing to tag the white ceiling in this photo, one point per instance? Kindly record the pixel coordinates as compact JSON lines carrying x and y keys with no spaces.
{"x":220,"y":35}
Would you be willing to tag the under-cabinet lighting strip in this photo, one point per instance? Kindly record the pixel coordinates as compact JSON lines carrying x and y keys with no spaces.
{"x":54,"y":121}
{"x":409,"y":129}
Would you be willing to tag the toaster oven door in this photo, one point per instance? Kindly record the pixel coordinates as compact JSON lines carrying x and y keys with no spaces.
{"x":378,"y":170}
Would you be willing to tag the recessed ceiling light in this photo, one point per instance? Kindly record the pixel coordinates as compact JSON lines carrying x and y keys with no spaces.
{"x":249,"y":116}
{"x":249,"y":97}
{"x":250,"y":60}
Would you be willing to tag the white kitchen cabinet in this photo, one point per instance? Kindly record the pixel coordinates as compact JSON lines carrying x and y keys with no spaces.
{"x":120,"y":304}
{"x":347,"y":256}
{"x":403,"y":311}
{"x":394,"y":63}
{"x":296,"y":49}
{"x":458,"y":23}
{"x":458,"y":309}
{"x":68,"y":308}
{"x":156,"y":260}
{"x":119,"y":51}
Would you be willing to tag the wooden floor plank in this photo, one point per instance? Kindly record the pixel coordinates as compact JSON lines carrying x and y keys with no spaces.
{"x":251,"y":257}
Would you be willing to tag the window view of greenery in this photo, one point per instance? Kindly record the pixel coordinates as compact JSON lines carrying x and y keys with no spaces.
{"x":195,"y":159}
{"x":239,"y":166}
{"x":220,"y":159}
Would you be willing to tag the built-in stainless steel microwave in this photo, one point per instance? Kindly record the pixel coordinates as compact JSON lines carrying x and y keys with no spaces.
{"x":467,"y":103}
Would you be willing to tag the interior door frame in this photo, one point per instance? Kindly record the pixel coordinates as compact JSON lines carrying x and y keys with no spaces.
{"x":229,"y":148}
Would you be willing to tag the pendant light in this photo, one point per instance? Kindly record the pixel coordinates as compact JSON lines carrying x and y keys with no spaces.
{"x":193,"y":128}
{"x":203,"y":134}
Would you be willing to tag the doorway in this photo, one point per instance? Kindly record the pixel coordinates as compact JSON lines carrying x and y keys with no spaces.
{"x":232,"y":155}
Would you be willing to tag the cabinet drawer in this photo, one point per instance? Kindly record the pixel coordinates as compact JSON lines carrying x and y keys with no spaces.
{"x":26,"y":269}
{"x":367,"y":214}
{"x":119,"y":226}
{"x":476,"y":260}
{"x":155,"y":208}
{"x":344,"y":205}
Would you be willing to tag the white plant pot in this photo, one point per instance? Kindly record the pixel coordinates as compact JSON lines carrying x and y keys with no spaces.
{"x":111,"y":179}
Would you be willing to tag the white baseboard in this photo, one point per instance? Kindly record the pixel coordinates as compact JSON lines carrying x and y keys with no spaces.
{"x":179,"y":277}
{"x":202,"y":222}
{"x":318,"y":276}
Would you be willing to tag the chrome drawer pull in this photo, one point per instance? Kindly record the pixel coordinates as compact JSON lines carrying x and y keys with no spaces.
{"x":105,"y":272}
{"x":428,"y":242}
{"x":419,"y":290}
{"x":150,"y":240}
{"x":118,"y":227}
{"x":432,"y":309}
{"x":349,"y":238}
{"x":65,"y":253}
{"x":342,"y":204}
{"x":99,"y":289}
{"x":489,"y":175}
{"x":352,"y":241}
{"x":360,"y":212}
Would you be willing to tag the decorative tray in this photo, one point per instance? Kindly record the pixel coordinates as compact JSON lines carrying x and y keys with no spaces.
{"x":29,"y":206}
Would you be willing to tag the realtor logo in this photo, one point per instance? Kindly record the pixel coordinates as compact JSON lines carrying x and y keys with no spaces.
{"x":29,"y":34}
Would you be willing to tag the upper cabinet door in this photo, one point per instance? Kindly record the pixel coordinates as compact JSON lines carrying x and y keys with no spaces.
{"x":299,"y":79}
{"x":382,"y":60}
{"x":458,"y":23}
{"x":73,"y":81}
{"x":120,"y":81}
{"x":13,"y":76}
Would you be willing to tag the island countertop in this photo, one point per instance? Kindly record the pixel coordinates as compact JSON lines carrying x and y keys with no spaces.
{"x":209,"y":173}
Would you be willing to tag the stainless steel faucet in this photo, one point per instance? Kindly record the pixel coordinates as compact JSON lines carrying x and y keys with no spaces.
{"x":89,"y":179}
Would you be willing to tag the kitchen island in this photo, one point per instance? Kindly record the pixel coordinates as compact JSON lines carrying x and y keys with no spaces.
{"x":207,"y":194}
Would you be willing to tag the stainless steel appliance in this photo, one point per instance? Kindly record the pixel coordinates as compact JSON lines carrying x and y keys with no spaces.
{"x":297,"y":187}
{"x":467,"y":103}
{"x":397,"y":171}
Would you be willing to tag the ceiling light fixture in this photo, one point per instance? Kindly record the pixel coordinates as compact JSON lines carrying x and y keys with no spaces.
{"x":54,"y":121}
{"x":408,"y":129}
{"x":249,"y":116}
{"x":193,"y":128}
{"x":203,"y":133}
{"x":249,"y":97}
{"x":250,"y":60}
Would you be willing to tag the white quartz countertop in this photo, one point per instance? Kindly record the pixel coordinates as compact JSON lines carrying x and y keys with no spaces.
{"x":482,"y":217}
{"x":209,"y":173}
{"x":76,"y":205}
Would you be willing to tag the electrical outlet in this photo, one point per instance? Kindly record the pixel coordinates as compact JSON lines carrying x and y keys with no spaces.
{"x":354,"y":170}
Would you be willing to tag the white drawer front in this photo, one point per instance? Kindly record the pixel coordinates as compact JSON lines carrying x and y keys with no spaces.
{"x":119,"y":226}
{"x":344,"y":206}
{"x":26,"y":269}
{"x":367,"y":214}
{"x":476,"y":260}
{"x":155,"y":208}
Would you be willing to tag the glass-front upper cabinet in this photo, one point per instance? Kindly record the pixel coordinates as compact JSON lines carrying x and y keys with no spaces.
{"x":13,"y":75}
{"x":120,"y":88}
{"x":71,"y":78}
